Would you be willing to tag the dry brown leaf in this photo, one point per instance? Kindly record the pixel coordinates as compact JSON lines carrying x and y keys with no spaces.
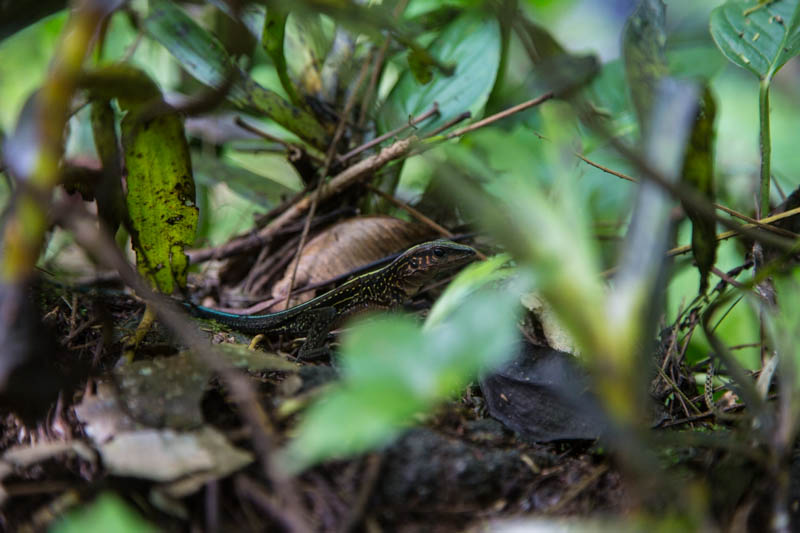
{"x":344,"y":247}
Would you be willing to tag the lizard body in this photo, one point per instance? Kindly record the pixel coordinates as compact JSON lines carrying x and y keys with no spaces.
{"x":381,"y":289}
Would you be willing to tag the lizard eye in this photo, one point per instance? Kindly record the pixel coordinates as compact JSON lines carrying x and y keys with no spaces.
{"x":413,"y":262}
{"x":438,"y":251}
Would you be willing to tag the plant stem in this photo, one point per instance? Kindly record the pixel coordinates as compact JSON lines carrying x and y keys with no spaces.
{"x":765,"y":145}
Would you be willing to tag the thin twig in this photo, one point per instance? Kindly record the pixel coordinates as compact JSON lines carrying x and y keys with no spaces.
{"x":774,"y":229}
{"x":357,"y":508}
{"x":576,"y":489}
{"x":441,"y":230}
{"x":295,"y":152}
{"x":501,"y":115}
{"x":268,"y":501}
{"x":728,"y":279}
{"x":742,"y":230}
{"x":687,"y":196}
{"x":389,"y":134}
{"x":449,"y":124}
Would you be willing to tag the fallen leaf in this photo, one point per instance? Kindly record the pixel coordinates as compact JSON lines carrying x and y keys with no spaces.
{"x":167,"y":455}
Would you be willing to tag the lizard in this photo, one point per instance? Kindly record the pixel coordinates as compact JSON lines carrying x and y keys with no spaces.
{"x":382,"y":289}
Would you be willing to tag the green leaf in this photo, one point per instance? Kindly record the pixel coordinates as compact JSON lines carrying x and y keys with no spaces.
{"x":420,"y":67}
{"x":696,"y":61}
{"x":555,"y":69}
{"x":106,"y":513}
{"x":760,"y":37}
{"x":609,"y":94}
{"x":309,"y":37}
{"x":392,"y":371}
{"x":204,"y":57}
{"x":782,"y":324}
{"x":473,"y":44}
{"x":160,"y":199}
{"x":698,"y":172}
{"x":272,"y":40}
{"x":470,"y":280}
{"x":645,"y":60}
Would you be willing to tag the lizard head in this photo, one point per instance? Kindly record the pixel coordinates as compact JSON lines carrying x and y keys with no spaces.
{"x":421,"y":263}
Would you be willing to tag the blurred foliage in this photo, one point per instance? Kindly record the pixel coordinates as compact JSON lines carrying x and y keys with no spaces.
{"x":561,"y":222}
{"x":106,"y":513}
{"x":393,"y":371}
{"x":472,"y":43}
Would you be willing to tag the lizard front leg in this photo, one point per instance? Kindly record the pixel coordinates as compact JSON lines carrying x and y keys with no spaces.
{"x":317,"y":325}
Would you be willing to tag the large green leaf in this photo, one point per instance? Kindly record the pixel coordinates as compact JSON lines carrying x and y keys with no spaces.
{"x":204,"y":57}
{"x":645,"y":60}
{"x":272,"y":39}
{"x":392,"y":371}
{"x":758,"y":37}
{"x":161,"y":201}
{"x":473,"y":44}
{"x":161,"y":197}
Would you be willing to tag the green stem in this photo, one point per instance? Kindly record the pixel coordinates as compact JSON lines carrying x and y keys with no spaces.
{"x":765,"y":145}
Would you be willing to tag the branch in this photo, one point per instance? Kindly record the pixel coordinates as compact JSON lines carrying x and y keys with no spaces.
{"x":339,"y":182}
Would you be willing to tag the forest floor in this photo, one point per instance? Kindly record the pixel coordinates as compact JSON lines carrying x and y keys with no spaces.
{"x":458,"y":469}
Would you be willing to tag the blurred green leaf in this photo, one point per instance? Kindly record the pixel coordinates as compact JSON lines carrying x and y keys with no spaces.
{"x":473,"y":278}
{"x":308,"y":40}
{"x":106,"y":513}
{"x":556,"y":70}
{"x":272,"y":40}
{"x":782,"y":325}
{"x":645,"y":60}
{"x":24,"y":58}
{"x":392,"y":371}
{"x":473,"y":44}
{"x":204,"y":57}
{"x":548,"y":232}
{"x":698,"y":172}
{"x":701,"y":61}
{"x":420,"y":67}
{"x":609,"y":94}
{"x":760,"y":37}
{"x":543,"y":45}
